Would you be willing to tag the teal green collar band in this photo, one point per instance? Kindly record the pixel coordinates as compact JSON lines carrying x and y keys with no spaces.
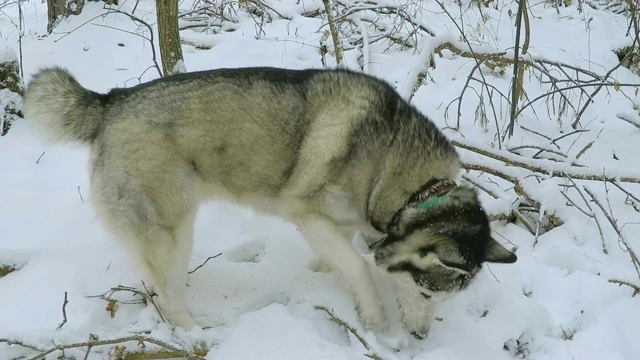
{"x":431,"y":202}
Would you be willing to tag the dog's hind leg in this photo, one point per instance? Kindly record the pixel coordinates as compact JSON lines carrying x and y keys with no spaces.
{"x":166,"y":258}
{"x":153,"y":214}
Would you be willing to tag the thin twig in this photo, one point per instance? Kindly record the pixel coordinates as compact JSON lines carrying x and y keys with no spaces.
{"x":628,"y":193}
{"x":41,"y":155}
{"x":634,"y":257}
{"x":344,"y":324}
{"x":204,"y":263}
{"x":264,"y":5}
{"x":571,"y":87}
{"x":20,"y":343}
{"x":537,"y":133}
{"x":600,"y":86}
{"x":135,"y":19}
{"x":592,"y":215}
{"x":64,"y":312}
{"x":479,"y":186}
{"x":149,"y":297}
{"x":79,"y":193}
{"x":554,"y":141}
{"x":138,"y":338}
{"x":636,"y":288}
{"x":476,"y":58}
{"x":540,"y":148}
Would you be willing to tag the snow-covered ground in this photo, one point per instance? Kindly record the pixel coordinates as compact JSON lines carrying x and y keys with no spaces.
{"x":258,"y":297}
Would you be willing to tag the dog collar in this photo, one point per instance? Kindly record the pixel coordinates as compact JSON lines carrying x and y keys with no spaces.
{"x":431,"y":202}
{"x":429,"y":194}
{"x":421,"y":206}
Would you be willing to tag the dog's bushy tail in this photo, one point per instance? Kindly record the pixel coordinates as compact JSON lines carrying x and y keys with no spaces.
{"x":62,"y":108}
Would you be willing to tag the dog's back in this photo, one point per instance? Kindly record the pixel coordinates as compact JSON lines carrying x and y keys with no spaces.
{"x":257,"y":132}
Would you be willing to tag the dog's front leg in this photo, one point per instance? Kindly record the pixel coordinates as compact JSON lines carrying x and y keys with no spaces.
{"x":416,"y":309}
{"x":336,"y":250}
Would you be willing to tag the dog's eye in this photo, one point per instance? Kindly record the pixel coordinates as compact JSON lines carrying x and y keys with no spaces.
{"x":426,"y":250}
{"x":462,"y":280}
{"x":463,"y":267}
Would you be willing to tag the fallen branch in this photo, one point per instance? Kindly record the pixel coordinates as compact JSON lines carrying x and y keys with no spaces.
{"x":636,"y":288}
{"x":94,"y":342}
{"x":349,"y":328}
{"x":546,"y":171}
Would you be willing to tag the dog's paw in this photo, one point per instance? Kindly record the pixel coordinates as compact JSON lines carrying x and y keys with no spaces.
{"x":420,"y":334}
{"x":187,"y":322}
{"x":396,"y":340}
{"x":175,"y":315}
{"x":373,"y":319}
{"x":319,"y":266}
{"x":419,"y":330}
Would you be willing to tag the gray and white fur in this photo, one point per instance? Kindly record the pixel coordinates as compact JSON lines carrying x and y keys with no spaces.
{"x":332,"y":151}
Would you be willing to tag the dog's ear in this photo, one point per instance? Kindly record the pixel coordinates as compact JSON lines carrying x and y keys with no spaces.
{"x":497,"y":253}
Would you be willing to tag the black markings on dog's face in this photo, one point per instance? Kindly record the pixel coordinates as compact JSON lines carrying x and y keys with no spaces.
{"x":442,"y":248}
{"x":434,"y":278}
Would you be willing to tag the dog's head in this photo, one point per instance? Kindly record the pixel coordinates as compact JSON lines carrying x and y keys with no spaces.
{"x":440,"y":244}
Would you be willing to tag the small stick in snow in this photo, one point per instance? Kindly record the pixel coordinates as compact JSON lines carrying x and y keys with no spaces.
{"x":41,"y":155}
{"x":204,"y":263}
{"x":344,"y":324}
{"x":79,"y":193}
{"x":64,"y":312}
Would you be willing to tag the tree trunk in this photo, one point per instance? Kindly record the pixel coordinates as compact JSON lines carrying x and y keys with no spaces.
{"x":168,"y":33}
{"x":58,"y":8}
{"x":11,"y":91}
